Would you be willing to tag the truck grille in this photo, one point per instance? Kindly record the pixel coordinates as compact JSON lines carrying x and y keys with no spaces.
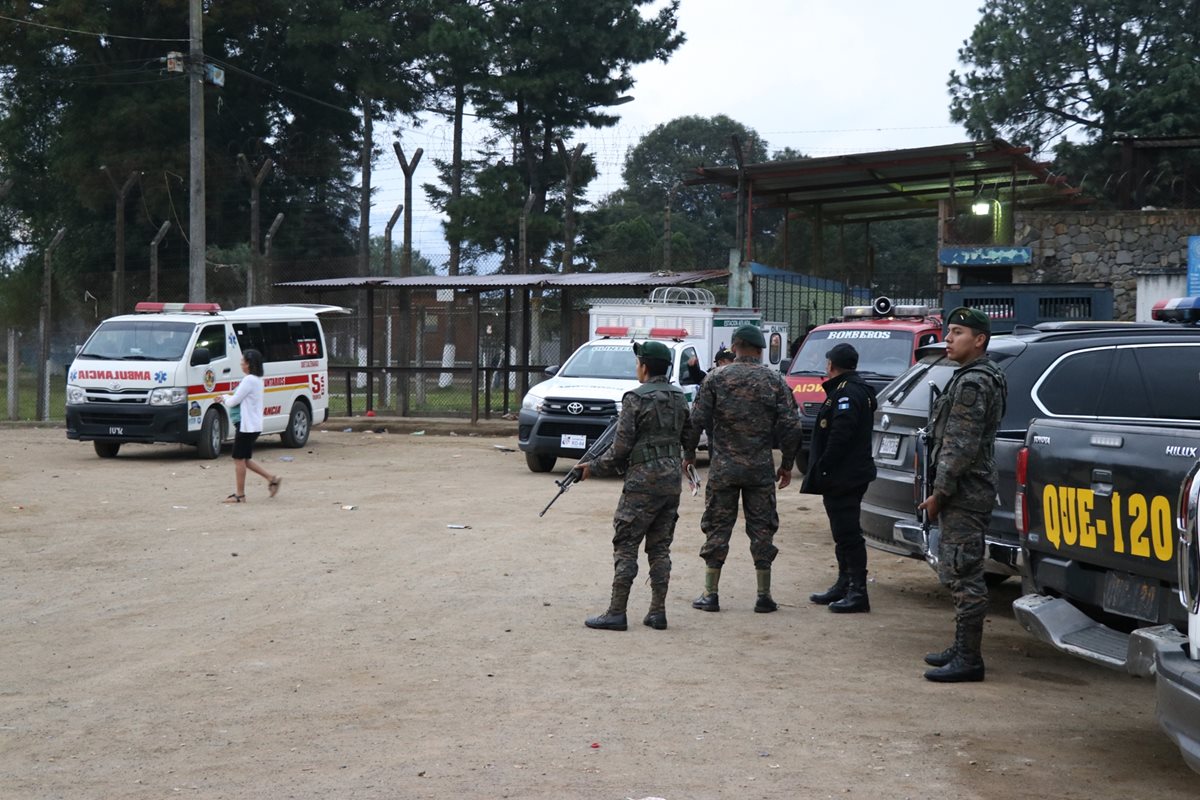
{"x":590,"y":408}
{"x":125,"y":420}
{"x":124,"y":396}
{"x":593,"y":430}
{"x":812,"y":409}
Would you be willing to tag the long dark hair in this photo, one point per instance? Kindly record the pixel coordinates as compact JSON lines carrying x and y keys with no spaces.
{"x":254,"y":361}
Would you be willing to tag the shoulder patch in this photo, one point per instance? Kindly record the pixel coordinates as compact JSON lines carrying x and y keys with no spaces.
{"x":968,"y":394}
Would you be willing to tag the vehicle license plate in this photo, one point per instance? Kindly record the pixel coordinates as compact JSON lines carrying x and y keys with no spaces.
{"x":574,"y":441}
{"x":1131,"y":596}
{"x":889,"y":445}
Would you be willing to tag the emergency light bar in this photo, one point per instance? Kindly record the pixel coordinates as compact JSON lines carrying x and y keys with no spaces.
{"x":882,"y":307}
{"x":1177,"y":309}
{"x":186,"y":308}
{"x":625,"y":332}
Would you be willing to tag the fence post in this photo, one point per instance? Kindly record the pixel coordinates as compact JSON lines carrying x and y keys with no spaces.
{"x":44,"y":325}
{"x":14,"y":365}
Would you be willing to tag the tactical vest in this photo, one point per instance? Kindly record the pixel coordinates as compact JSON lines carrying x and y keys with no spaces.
{"x":659,"y":437}
{"x":983,"y":366}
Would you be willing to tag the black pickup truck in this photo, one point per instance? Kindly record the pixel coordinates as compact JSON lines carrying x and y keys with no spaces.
{"x":1096,"y":507}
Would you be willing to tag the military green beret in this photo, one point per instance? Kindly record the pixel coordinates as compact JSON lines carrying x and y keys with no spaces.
{"x":652,"y":350}
{"x":970,"y":318}
{"x":751,"y":335}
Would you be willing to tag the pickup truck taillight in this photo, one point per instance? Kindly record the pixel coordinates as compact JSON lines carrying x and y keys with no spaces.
{"x":1020,"y":508}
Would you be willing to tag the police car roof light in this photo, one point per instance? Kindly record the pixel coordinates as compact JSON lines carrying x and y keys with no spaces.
{"x":1177,"y":309}
{"x":186,"y":308}
{"x":612,"y":330}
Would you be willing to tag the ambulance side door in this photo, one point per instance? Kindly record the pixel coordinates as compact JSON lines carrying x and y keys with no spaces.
{"x":216,"y":376}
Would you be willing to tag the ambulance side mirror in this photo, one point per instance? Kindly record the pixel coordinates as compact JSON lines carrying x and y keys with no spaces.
{"x":200,"y":357}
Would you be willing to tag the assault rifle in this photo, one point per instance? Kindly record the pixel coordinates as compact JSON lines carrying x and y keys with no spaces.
{"x":598,"y":447}
{"x":924,"y":465}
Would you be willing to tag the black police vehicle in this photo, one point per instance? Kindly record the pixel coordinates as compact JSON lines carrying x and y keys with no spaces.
{"x":1043,"y":381}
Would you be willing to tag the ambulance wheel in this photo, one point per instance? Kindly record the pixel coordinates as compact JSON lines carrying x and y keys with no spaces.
{"x":211,"y":434}
{"x":299,"y":422}
{"x":107,"y":449}
{"x":539,"y":462}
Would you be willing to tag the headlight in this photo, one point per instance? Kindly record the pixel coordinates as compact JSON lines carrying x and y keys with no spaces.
{"x":76,"y":395}
{"x":532,"y":403}
{"x":168,"y":396}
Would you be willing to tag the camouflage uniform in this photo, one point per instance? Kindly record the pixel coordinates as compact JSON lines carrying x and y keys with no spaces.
{"x":651,"y":428}
{"x":746,"y":407}
{"x":965,"y":419}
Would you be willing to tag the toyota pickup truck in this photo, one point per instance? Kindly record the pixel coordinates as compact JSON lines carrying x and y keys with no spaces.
{"x":1095,"y":510}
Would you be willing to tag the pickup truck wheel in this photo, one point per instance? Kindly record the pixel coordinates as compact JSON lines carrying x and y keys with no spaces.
{"x":211,"y":435}
{"x":299,"y":423}
{"x":107,"y":449}
{"x":539,"y":462}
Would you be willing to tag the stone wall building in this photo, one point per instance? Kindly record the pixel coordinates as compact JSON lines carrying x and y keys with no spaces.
{"x":1121,"y":248}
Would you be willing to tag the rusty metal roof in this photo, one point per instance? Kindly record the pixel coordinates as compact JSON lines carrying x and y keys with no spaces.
{"x":502,"y":281}
{"x":899,"y":184}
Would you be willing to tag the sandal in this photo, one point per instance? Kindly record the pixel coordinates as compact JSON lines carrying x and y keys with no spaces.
{"x":273,"y":486}
{"x":235,"y":498}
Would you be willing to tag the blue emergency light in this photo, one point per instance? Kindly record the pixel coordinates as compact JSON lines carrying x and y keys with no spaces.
{"x":1177,"y":309}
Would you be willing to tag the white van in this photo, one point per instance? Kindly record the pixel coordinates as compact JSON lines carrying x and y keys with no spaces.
{"x":151,"y":376}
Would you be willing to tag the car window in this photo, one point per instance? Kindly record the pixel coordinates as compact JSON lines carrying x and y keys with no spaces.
{"x":1074,"y":385}
{"x":689,"y":374}
{"x":881,"y":352}
{"x":602,"y":361}
{"x":912,"y":390}
{"x":1174,"y":367}
{"x":212,"y":337}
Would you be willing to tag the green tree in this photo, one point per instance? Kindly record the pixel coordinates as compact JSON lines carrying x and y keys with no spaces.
{"x":558,"y":66}
{"x":298,"y":75}
{"x":1076,"y":73}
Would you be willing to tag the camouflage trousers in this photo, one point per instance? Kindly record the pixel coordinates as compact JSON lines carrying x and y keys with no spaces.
{"x":650,"y":517}
{"x":960,"y":561}
{"x":720,"y":514}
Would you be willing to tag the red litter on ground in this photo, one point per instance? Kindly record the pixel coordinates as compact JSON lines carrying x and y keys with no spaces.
{"x":595,"y":745}
{"x":370,"y":413}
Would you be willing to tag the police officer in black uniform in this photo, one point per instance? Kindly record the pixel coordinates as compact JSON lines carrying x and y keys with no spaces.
{"x":840,"y":467}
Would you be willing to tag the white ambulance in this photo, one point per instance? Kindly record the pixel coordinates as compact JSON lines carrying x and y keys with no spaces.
{"x":151,"y":376}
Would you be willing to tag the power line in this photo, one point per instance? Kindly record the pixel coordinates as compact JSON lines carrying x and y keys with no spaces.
{"x":90,"y":33}
{"x":277,"y":87}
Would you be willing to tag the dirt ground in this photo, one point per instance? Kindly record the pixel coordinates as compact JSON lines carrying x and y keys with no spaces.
{"x":156,"y":643}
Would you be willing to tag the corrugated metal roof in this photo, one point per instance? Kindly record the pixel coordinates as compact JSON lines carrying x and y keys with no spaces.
{"x":501,"y":281}
{"x":899,"y":184}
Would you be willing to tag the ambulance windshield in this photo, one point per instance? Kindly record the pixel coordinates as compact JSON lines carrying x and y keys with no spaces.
{"x":880,"y":352}
{"x":138,"y":340}
{"x":602,"y":361}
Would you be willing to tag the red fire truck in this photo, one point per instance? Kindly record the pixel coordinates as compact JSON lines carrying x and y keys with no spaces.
{"x":886,"y":337}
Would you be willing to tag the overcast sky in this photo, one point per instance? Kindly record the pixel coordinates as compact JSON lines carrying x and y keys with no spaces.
{"x":824,"y":77}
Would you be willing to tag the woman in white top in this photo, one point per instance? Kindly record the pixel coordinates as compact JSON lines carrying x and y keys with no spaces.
{"x":248,"y":398}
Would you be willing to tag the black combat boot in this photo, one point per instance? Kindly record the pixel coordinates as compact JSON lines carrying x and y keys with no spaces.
{"x":764,"y":604}
{"x":833,"y":593}
{"x":943,"y":658}
{"x":856,"y":600}
{"x":967,"y":663}
{"x":657,"y":618}
{"x":709,"y":600}
{"x":608,"y":621}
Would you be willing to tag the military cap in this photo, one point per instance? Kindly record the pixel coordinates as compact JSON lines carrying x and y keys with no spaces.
{"x":970,"y":318}
{"x":751,"y":335}
{"x":652,"y":350}
{"x":724,"y":354}
{"x":843,"y":356}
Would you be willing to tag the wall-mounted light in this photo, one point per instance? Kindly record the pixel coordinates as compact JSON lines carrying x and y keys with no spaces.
{"x":981,"y":208}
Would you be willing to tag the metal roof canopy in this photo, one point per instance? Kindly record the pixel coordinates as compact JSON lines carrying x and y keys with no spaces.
{"x":484,"y":283}
{"x":898,"y":184}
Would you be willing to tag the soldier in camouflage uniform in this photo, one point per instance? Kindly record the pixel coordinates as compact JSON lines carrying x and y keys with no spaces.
{"x":651,"y":429}
{"x":747,"y":407}
{"x":965,"y":419}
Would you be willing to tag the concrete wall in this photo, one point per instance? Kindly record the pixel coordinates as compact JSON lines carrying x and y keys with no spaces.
{"x":1110,"y":247}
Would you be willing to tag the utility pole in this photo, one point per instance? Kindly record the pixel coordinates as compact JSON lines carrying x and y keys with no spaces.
{"x":364,"y":205}
{"x":197,"y":290}
{"x":154,"y":243}
{"x":256,"y":181}
{"x":570,"y":162}
{"x":408,"y":168}
{"x":43,"y":391}
{"x":122,"y":192}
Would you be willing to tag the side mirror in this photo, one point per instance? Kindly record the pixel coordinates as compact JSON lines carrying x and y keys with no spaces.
{"x":200,"y":357}
{"x":551,"y":370}
{"x":784,"y":365}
